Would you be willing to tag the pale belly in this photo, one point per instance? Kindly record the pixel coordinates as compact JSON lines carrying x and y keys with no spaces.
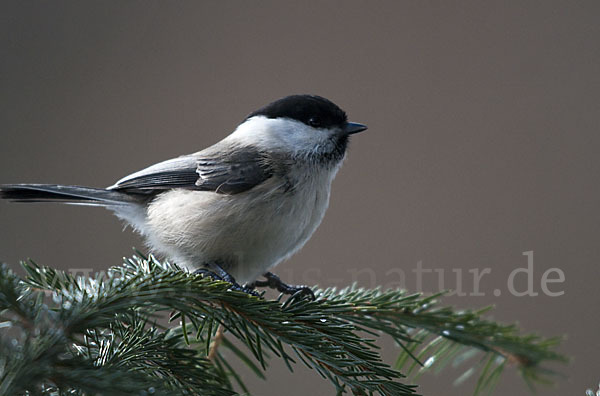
{"x":246,"y":235}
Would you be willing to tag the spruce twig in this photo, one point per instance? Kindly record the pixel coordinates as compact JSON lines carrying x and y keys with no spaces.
{"x":101,"y":333}
{"x":216,"y":342}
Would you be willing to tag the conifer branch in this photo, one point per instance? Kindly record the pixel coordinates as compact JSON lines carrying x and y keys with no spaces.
{"x":102,"y":333}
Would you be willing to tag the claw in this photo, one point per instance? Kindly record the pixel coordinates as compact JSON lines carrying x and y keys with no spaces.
{"x":217,"y":272}
{"x":274,"y":282}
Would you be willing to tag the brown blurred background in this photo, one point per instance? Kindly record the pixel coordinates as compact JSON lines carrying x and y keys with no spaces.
{"x":483,"y":141}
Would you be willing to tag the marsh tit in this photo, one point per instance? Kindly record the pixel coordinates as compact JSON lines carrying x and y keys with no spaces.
{"x":237,"y":208}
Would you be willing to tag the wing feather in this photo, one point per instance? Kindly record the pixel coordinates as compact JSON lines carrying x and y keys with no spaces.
{"x":231,"y":173}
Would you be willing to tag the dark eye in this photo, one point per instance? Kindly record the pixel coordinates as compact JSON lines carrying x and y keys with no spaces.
{"x":314,"y":122}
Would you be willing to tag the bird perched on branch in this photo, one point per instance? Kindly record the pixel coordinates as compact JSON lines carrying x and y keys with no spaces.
{"x":235,"y":209}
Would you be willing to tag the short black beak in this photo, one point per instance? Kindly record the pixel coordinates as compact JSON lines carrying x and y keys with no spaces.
{"x":354,"y":127}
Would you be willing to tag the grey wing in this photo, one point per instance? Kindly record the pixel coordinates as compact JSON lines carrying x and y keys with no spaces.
{"x":230,"y":173}
{"x":234,"y":173}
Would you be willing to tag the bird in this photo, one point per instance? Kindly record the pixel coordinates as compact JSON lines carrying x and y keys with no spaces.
{"x":238,"y":208}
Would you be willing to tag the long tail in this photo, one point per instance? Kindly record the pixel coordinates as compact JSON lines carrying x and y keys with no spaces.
{"x":65,"y":194}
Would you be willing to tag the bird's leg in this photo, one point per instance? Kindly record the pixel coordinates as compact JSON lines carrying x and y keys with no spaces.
{"x":217,"y":272}
{"x":274,"y":282}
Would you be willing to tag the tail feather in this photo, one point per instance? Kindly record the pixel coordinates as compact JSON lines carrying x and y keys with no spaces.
{"x":64,"y":194}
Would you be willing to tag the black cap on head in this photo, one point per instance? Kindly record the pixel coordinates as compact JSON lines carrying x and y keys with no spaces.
{"x":311,"y":110}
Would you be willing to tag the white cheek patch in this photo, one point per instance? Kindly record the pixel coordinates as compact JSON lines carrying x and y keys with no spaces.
{"x":282,"y":134}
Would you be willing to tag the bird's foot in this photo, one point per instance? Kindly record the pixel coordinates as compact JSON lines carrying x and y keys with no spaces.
{"x":216,"y":272}
{"x":274,"y":282}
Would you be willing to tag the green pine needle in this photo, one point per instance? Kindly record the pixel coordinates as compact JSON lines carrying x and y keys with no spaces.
{"x":61,"y":334}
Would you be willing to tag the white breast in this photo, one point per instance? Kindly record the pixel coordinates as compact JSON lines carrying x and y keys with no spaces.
{"x":247,"y":233}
